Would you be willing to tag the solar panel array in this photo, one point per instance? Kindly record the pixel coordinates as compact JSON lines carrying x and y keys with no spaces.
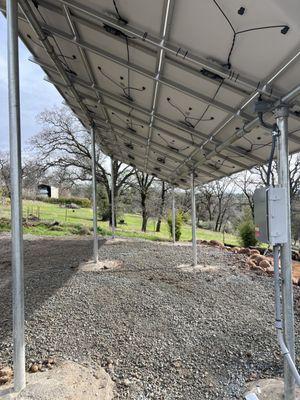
{"x":167,"y":84}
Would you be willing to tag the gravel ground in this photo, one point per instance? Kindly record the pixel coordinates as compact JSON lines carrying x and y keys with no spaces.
{"x":162,"y":333}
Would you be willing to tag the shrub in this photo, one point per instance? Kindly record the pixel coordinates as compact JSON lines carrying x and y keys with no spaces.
{"x":79,"y":201}
{"x":178,"y":225}
{"x":247,"y":233}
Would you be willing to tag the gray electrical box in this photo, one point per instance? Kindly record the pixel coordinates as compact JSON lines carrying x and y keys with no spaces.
{"x":269,"y":214}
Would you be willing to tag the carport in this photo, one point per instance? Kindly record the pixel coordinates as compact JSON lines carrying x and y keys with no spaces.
{"x":187,"y":91}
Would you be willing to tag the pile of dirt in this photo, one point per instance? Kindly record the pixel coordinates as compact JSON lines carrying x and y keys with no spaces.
{"x":67,"y":381}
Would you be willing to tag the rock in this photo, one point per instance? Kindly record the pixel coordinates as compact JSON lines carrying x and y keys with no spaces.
{"x":177,"y":364}
{"x":265,"y":264}
{"x":244,"y":250}
{"x":259,"y":259}
{"x":295,"y":280}
{"x":216,"y":243}
{"x":34,"y":368}
{"x":6,"y":371}
{"x":254,"y":251}
{"x":251,"y":264}
{"x":126,"y":382}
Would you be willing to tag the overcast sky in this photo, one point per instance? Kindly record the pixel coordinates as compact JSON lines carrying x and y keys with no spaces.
{"x":36,"y":94}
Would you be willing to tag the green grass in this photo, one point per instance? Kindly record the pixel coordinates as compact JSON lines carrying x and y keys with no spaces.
{"x":71,"y":221}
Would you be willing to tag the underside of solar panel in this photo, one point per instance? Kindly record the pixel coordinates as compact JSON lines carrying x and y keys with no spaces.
{"x":170,"y":86}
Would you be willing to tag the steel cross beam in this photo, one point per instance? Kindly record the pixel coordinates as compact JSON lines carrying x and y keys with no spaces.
{"x":182,"y":139}
{"x":178,"y":63}
{"x":238,"y":151}
{"x":156,"y":42}
{"x":159,"y":149}
{"x":166,"y":23}
{"x":289,"y":97}
{"x":147,"y":50}
{"x":144,"y":72}
{"x":169,"y":152}
{"x":34,"y":23}
{"x":85,"y":61}
{"x":139,"y":140}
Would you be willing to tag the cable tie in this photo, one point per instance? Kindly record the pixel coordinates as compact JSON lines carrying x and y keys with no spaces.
{"x":179,"y":48}
{"x":145,"y":36}
{"x":237,"y":77}
{"x":185,"y":54}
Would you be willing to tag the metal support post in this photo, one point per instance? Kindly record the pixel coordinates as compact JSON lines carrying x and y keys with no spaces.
{"x":194,"y":239}
{"x":173,"y":216}
{"x":282,"y":113}
{"x":16,"y":195}
{"x":94,"y":189}
{"x":113,"y":228}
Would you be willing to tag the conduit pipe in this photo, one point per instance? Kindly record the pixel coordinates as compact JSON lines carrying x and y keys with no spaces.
{"x":278,"y":320}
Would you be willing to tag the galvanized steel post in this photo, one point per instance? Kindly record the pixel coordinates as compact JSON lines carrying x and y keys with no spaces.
{"x":112,"y":191}
{"x":94,"y":190}
{"x":194,"y":239}
{"x":16,"y":195}
{"x":173,"y":216}
{"x":282,"y":113}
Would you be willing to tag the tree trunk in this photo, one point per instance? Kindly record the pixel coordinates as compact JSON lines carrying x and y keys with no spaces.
{"x":110,"y":213}
{"x":144,"y":212}
{"x":162,"y":205}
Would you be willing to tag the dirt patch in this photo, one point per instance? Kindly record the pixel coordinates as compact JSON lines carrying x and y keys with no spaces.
{"x":68,"y":381}
{"x":90,"y":266}
{"x":269,"y":389}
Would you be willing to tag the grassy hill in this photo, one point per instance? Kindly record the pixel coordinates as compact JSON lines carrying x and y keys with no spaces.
{"x":74,"y":221}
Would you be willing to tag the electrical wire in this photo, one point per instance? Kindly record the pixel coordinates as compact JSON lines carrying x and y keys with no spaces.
{"x":271,"y":158}
{"x":60,"y":55}
{"x":129,"y":122}
{"x":170,"y":145}
{"x":126,"y":90}
{"x":187,"y":118}
{"x":284,"y":30}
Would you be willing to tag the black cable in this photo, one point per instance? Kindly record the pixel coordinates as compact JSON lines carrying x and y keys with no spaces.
{"x":187,"y":118}
{"x":274,"y":140}
{"x":208,"y":106}
{"x":64,"y":61}
{"x":124,"y":89}
{"x":120,"y":18}
{"x":284,"y":30}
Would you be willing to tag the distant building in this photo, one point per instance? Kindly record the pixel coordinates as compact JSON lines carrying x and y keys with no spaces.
{"x":47,"y":191}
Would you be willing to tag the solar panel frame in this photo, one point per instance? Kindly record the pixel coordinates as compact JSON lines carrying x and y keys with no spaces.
{"x":172,"y":85}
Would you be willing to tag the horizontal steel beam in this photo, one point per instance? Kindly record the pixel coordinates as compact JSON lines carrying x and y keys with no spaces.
{"x":144,"y":72}
{"x":238,"y":151}
{"x":169,"y":48}
{"x":286,"y":99}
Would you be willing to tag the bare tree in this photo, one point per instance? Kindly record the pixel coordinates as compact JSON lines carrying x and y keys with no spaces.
{"x":247,"y":182}
{"x":64,"y":142}
{"x":144,"y":183}
{"x":164,"y":189}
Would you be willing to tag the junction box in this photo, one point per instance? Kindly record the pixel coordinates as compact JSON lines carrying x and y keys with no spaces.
{"x":270,"y":215}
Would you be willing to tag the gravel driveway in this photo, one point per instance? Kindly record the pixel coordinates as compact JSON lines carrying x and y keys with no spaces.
{"x":162,"y":333}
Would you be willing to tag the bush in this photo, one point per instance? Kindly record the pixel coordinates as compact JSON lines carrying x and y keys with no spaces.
{"x":178,"y":225}
{"x":79,"y":201}
{"x":247,"y":233}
